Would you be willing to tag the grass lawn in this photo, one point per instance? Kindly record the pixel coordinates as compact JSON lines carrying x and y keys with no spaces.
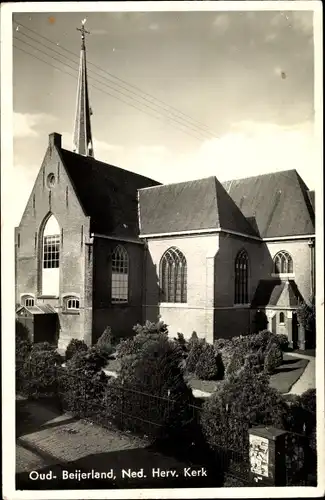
{"x":283,"y":379}
{"x":288,"y":373}
{"x":202,"y":385}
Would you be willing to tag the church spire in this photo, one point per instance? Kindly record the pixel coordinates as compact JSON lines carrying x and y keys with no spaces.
{"x":82,"y":138}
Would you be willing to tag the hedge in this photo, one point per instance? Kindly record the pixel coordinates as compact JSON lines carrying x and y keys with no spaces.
{"x":241,"y":402}
{"x":150,"y":388}
{"x":87,"y":363}
{"x":40,"y":371}
{"x":82,"y":391}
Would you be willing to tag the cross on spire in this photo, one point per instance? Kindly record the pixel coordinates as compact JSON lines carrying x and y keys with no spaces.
{"x":82,"y":140}
{"x":83,"y":32}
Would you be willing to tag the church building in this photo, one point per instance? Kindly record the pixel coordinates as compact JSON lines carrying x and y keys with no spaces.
{"x":100,"y":246}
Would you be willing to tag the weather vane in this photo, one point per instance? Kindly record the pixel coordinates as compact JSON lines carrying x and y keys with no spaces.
{"x":83,"y":30}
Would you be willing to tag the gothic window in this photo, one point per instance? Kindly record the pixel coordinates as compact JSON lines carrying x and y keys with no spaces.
{"x":241,"y":278}
{"x":120,"y":275}
{"x":173,"y":276}
{"x":282,"y":263}
{"x":51,"y":257}
{"x":281,"y":318}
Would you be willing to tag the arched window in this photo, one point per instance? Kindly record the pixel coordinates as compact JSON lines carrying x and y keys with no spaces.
{"x":281,"y":318}
{"x":173,"y":276}
{"x":120,"y":275}
{"x":282,"y":263}
{"x":71,"y":304}
{"x":28,"y":300}
{"x":51,"y":257}
{"x":241,"y":278}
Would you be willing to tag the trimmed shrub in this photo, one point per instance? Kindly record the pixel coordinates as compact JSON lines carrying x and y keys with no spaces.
{"x":40,"y":372}
{"x":149,"y":328}
{"x":150,"y":396}
{"x":282,"y":341}
{"x":226,"y":353}
{"x":75,"y":346}
{"x":307,"y":316}
{"x":241,"y":402}
{"x":106,"y":338}
{"x":308,"y":400}
{"x":302,"y":412}
{"x":194,"y":354}
{"x":236,"y":363}
{"x":83,"y":392}
{"x":87,"y":363}
{"x":254,"y":362}
{"x":105,"y":343}
{"x":23,"y":346}
{"x":260,"y":341}
{"x":273,"y":358}
{"x":83,"y":383}
{"x":193,"y":339}
{"x":220,"y":344}
{"x":180,"y":340}
{"x":44,"y":346}
{"x":126,"y":347}
{"x":209,"y":365}
{"x":136,"y":344}
{"x":149,"y":332}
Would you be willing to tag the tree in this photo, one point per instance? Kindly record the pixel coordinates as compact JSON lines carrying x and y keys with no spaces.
{"x":307,"y":316}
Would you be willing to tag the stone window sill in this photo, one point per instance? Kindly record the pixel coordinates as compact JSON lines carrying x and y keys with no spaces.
{"x":173,"y":304}
{"x":48,"y":297}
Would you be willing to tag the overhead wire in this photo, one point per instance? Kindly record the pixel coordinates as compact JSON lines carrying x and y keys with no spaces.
{"x":199,"y":138}
{"x":166,"y":108}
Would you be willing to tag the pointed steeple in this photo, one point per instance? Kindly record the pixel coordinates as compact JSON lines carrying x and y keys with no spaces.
{"x":82,"y":138}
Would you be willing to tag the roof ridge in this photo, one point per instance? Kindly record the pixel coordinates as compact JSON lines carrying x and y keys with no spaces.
{"x":179,"y":182}
{"x":95,"y":160}
{"x":249,"y":230}
{"x":260,"y":175}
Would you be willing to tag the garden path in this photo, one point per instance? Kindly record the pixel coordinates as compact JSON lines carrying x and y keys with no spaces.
{"x":308,"y":377}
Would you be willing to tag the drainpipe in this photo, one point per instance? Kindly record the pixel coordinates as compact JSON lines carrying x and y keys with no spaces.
{"x":144,"y":281}
{"x":311,"y":244}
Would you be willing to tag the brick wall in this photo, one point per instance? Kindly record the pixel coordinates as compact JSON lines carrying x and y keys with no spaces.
{"x":300,"y":253}
{"x":62,"y":202}
{"x":120,"y":317}
{"x":197,"y":313}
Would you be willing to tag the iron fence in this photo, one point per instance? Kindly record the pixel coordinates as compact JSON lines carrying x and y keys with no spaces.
{"x":111,"y":404}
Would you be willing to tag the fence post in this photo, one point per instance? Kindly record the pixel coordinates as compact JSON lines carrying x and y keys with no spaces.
{"x":267,"y":456}
{"x":122,"y":404}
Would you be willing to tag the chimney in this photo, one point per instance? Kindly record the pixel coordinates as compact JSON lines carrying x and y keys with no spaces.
{"x":55,"y":140}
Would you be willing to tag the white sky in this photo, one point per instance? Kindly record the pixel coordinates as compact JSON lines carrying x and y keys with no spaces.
{"x":246,"y":77}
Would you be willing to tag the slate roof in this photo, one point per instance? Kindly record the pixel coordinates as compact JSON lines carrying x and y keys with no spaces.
{"x":277,"y":204}
{"x":40,"y":309}
{"x":312,"y":199}
{"x":108,"y":194}
{"x":276,"y":293}
{"x":271,"y":205}
{"x":188,"y":206}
